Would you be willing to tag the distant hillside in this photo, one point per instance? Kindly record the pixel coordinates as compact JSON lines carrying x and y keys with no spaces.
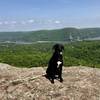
{"x":65,"y":34}
{"x":12,"y":36}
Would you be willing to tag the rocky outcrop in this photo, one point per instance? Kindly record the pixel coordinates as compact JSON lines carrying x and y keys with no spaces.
{"x":80,"y":83}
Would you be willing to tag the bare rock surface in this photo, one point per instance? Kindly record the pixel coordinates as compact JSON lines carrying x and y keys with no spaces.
{"x":80,"y":83}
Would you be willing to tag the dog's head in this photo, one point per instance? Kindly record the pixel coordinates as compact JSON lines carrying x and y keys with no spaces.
{"x":58,"y":48}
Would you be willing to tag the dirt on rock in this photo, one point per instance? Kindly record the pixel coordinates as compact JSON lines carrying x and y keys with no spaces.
{"x":80,"y":83}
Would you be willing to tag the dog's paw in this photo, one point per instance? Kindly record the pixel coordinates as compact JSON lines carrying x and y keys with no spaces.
{"x":61,"y":80}
{"x":52,"y":81}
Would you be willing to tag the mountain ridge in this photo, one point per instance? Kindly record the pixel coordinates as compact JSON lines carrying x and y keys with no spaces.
{"x":64,"y":34}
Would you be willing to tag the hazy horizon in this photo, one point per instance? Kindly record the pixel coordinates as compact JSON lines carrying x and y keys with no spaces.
{"x":50,"y":29}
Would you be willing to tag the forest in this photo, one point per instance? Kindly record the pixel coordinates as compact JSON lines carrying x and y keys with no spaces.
{"x":83,"y":53}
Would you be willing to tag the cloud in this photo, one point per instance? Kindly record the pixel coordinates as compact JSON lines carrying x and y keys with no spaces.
{"x":13,"y":22}
{"x":1,"y":23}
{"x":23,"y":22}
{"x":27,"y":21}
{"x":31,"y":21}
{"x":27,"y":24}
{"x":57,"y":22}
{"x":6,"y":22}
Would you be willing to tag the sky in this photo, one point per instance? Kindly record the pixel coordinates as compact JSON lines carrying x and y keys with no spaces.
{"x":28,"y":15}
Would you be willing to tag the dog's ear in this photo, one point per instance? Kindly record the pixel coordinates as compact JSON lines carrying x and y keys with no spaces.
{"x":55,"y":47}
{"x":62,"y":47}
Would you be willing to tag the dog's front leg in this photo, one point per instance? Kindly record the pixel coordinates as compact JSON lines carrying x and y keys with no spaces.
{"x":52,"y":78}
{"x":59,"y":66}
{"x":60,"y":74}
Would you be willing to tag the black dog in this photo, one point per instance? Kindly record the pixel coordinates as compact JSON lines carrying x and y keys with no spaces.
{"x":54,"y":69}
